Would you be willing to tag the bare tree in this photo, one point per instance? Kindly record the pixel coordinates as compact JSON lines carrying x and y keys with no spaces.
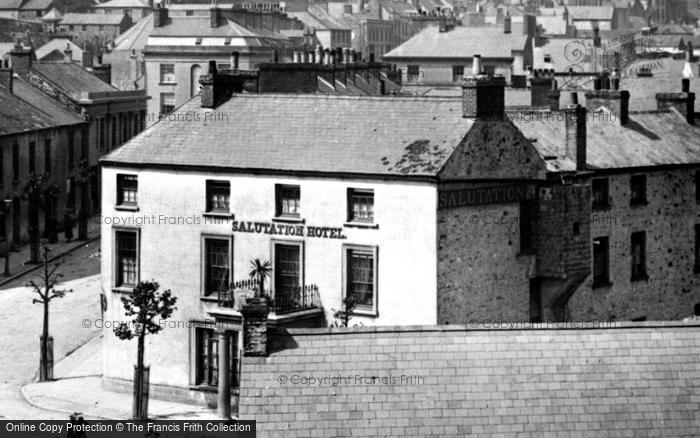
{"x":44,"y":286}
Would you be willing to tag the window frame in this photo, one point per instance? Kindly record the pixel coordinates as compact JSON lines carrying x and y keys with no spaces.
{"x":412,"y":72}
{"x":349,"y":211}
{"x":639,"y":270}
{"x":457,"y":73}
{"x":603,"y":204}
{"x":167,"y":77}
{"x":163,"y":105}
{"x":121,"y":178}
{"x":203,"y":262}
{"x":599,"y":281}
{"x":279,"y":201}
{"x":641,"y":198}
{"x":115,"y":258}
{"x":374,"y":251}
{"x":273,"y":259}
{"x":210,"y":186}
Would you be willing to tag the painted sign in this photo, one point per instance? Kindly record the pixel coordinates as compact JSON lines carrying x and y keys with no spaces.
{"x":485,"y":195}
{"x":281,"y":229}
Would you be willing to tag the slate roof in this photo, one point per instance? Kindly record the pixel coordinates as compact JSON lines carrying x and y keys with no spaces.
{"x":10,"y":4}
{"x":98,"y":19}
{"x":649,"y":139}
{"x":667,"y":75}
{"x":199,"y":26}
{"x":60,"y":45}
{"x":460,"y":42}
{"x":18,"y":116}
{"x":37,"y":5}
{"x":312,"y":133}
{"x":317,"y":17}
{"x":71,"y":78}
{"x":60,"y":114}
{"x":591,"y":12}
{"x":123,"y":4}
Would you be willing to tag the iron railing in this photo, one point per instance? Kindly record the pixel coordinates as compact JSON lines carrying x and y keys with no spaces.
{"x":282,"y":301}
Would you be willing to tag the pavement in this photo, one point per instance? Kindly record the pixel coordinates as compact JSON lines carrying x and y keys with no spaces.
{"x":78,"y":388}
{"x":18,"y":259}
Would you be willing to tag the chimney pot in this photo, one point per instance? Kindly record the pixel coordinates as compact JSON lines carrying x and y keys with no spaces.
{"x":685,"y":85}
{"x":476,"y":65}
{"x":507,"y":23}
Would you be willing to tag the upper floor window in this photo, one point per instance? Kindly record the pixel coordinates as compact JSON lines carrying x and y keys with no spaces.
{"x":361,"y":205}
{"x":601,"y":198}
{"x":217,"y":270}
{"x":412,"y":73}
{"x":639,"y":270}
{"x":126,"y":252}
{"x":457,"y":73}
{"x":287,"y":200}
{"x":360,"y":283}
{"x":638,"y":189}
{"x":601,"y":262}
{"x":167,"y":103}
{"x":127,"y":189}
{"x":218,"y":195}
{"x":167,"y":73}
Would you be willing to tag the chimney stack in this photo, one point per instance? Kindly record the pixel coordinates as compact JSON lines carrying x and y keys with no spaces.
{"x":217,"y":88}
{"x":540,"y":87}
{"x":684,"y":101}
{"x":235,"y":56}
{"x":575,"y":127}
{"x":529,"y":25}
{"x":6,"y":78}
{"x":483,"y":96}
{"x":21,"y":58}
{"x":596,"y":36}
{"x":67,"y":54}
{"x":616,"y":101}
{"x":442,"y":21}
{"x":553,"y":96}
{"x":507,"y":23}
{"x":214,"y":16}
{"x":160,"y":15}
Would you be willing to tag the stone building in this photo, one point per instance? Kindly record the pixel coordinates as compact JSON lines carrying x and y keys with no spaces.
{"x":113,"y":116}
{"x":422,"y":210}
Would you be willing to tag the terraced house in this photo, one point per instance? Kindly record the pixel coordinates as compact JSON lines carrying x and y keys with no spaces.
{"x":422,"y":210}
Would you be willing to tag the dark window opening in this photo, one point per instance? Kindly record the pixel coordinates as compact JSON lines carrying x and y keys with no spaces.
{"x":360,"y":205}
{"x":127,"y":189}
{"x":127,"y":258}
{"x":207,"y":372}
{"x":361,"y":276}
{"x":601,"y":263}
{"x":638,"y":188}
{"x":218,"y":266}
{"x":601,"y":198}
{"x":639,"y":271}
{"x":218,"y":196}
{"x":288,"y":200}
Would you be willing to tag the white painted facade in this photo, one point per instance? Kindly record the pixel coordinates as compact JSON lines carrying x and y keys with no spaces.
{"x":404,"y":237}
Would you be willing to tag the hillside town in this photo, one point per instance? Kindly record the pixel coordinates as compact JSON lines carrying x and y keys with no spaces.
{"x":352,"y":217}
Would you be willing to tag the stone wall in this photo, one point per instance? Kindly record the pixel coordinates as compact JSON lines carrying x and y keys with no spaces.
{"x":620,"y":380}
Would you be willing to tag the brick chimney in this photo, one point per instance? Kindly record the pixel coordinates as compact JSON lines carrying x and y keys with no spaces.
{"x":553,"y":96}
{"x":255,"y":341}
{"x":21,"y":58}
{"x":6,"y":78}
{"x":684,"y":101}
{"x":617,"y":101}
{"x":575,"y":126}
{"x":483,"y":96}
{"x":596,"y":36}
{"x":529,"y":25}
{"x":86,"y":59}
{"x":218,"y":88}
{"x":214,"y":16}
{"x":102,"y":71}
{"x":67,"y":54}
{"x":540,"y":86}
{"x":160,"y":15}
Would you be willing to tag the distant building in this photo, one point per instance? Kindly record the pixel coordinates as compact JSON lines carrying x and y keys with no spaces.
{"x":442,"y":54}
{"x":179,"y":48}
{"x":45,"y":139}
{"x":328,"y":31}
{"x":136,"y":9}
{"x":60,"y":49}
{"x":126,"y":56}
{"x":24,"y":9}
{"x":93,"y":28}
{"x":113,"y":116}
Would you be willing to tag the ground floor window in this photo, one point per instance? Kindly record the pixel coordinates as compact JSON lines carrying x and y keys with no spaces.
{"x":207,"y":357}
{"x":360,"y":268}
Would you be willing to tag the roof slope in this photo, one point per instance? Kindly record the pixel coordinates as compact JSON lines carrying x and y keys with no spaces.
{"x":104,"y":19}
{"x":71,"y":78}
{"x":37,"y":5}
{"x":667,"y":74}
{"x":123,"y":4}
{"x":315,"y":133}
{"x":59,"y":44}
{"x":58,"y":112}
{"x":136,"y":36}
{"x":649,"y":139}
{"x":10,"y":4}
{"x":460,"y":42}
{"x":17,"y":116}
{"x":591,"y":12}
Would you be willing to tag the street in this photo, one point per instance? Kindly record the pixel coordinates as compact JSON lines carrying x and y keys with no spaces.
{"x":22,"y":323}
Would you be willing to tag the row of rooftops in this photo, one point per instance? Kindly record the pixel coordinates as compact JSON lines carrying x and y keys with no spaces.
{"x":406,"y":137}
